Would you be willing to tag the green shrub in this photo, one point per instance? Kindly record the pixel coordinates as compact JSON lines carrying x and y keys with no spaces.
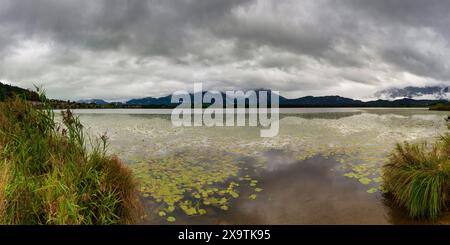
{"x":48,"y":176}
{"x":418,"y":177}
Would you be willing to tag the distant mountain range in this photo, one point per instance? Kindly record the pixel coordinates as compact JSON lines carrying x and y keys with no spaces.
{"x":406,"y":99}
{"x":166,"y":100}
{"x":337,"y":101}
{"x":308,"y":101}
{"x":93,"y":101}
{"x":429,"y":92}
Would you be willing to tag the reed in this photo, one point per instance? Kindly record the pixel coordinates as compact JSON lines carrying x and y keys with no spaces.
{"x":50,"y":175}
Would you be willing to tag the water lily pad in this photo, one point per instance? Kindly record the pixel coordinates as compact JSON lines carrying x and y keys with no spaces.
{"x":365,"y":181}
{"x":234,"y":194}
{"x":252,"y":197}
{"x":170,"y":209}
{"x":171,"y":219}
{"x":378,"y":179}
{"x":350,"y":175}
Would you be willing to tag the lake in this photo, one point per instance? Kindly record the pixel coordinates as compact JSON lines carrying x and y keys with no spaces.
{"x":322,"y":168}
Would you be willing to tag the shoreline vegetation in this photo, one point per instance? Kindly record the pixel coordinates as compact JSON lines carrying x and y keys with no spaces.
{"x":417,"y":178}
{"x":50,"y":175}
{"x":440,"y":107}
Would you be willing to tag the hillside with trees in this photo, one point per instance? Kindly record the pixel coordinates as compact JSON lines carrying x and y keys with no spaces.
{"x":9,"y":91}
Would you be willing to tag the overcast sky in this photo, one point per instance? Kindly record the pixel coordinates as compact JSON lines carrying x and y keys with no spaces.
{"x":120,"y":49}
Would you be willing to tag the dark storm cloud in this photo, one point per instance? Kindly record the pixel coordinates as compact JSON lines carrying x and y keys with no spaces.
{"x":418,"y":34}
{"x":118,"y":49}
{"x":432,"y":13}
{"x":420,"y":63}
{"x":151,"y":27}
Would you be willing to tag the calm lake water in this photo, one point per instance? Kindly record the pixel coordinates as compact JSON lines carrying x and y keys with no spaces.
{"x":322,"y":168}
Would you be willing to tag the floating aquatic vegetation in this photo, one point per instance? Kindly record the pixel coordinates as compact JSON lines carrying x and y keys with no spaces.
{"x":365,"y":181}
{"x":377,"y":179}
{"x":191,"y":182}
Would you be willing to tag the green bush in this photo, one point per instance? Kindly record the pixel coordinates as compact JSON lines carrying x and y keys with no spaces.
{"x":418,"y":177}
{"x":48,"y":176}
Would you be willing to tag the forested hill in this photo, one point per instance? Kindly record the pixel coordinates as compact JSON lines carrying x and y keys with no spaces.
{"x":8,"y":91}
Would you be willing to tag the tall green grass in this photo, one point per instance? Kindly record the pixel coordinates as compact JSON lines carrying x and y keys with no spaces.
{"x":418,"y":177}
{"x":49,"y":175}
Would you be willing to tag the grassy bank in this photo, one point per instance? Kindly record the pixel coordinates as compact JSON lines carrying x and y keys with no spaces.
{"x":440,"y":107}
{"x":48,"y":174}
{"x":418,"y":177}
